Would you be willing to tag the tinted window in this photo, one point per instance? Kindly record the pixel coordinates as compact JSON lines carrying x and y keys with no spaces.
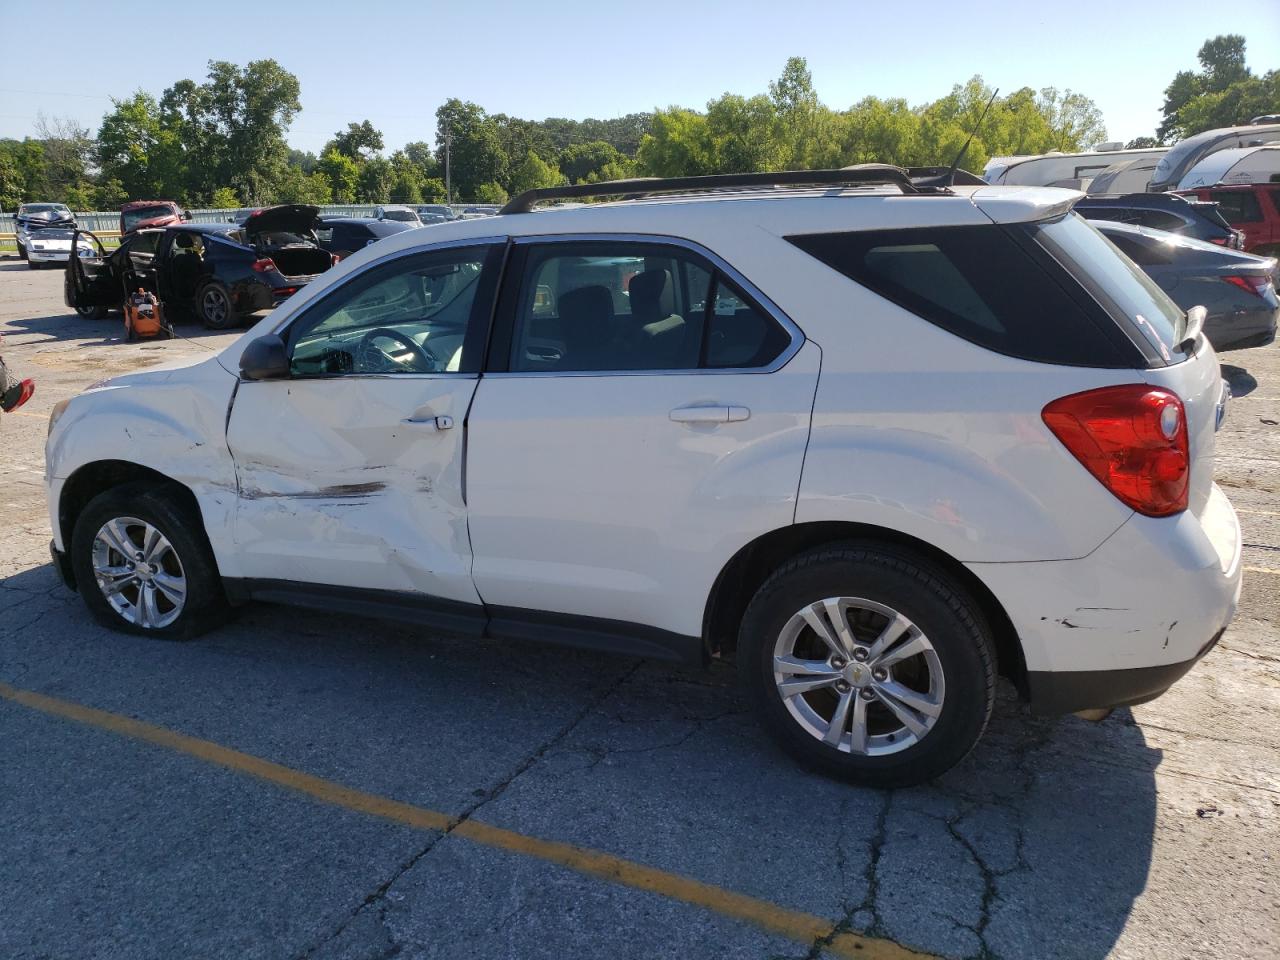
{"x":417,"y":314}
{"x":1158,"y":219}
{"x":1119,"y":284}
{"x":1140,"y":251}
{"x":980,"y":283}
{"x":607,"y":305}
{"x":1238,"y":206}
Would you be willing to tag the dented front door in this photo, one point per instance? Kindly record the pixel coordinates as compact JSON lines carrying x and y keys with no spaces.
{"x":350,"y":473}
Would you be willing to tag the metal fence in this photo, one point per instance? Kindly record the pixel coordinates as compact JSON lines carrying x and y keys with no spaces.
{"x":108,"y":220}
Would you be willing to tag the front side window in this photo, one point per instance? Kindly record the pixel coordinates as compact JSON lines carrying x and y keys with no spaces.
{"x":420,"y":314}
{"x":624,"y":305}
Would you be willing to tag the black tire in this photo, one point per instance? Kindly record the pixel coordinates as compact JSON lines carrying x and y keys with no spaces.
{"x":22,"y":251}
{"x":32,"y":265}
{"x":162,"y":507}
{"x":215,"y":306}
{"x":92,"y":313}
{"x":911,"y":585}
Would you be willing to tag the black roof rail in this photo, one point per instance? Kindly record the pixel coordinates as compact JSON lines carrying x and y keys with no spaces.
{"x":934,"y":176}
{"x":862,"y":175}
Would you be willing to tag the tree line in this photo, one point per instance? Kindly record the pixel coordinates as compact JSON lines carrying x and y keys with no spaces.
{"x":222,"y":142}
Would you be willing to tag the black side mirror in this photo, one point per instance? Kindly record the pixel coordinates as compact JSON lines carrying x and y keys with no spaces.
{"x":265,"y":359}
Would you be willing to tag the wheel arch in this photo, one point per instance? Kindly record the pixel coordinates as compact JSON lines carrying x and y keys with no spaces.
{"x":99,"y":476}
{"x":747,"y":570}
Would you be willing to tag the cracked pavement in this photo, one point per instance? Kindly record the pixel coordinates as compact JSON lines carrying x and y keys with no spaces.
{"x":1153,"y":834}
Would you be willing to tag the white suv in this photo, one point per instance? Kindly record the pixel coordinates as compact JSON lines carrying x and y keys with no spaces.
{"x":879,"y":441}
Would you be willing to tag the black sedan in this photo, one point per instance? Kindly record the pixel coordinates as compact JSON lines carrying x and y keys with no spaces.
{"x":343,"y":236}
{"x":216,"y":271}
{"x":1237,"y":289}
{"x":1164,"y":211}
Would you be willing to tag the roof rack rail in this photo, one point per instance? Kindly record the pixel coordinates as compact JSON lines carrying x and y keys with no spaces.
{"x":933,"y":176}
{"x":861,"y":175}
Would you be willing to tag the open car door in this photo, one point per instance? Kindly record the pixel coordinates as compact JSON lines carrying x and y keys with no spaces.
{"x":90,"y":286}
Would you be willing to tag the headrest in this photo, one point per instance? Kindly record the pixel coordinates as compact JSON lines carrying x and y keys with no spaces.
{"x":651,"y":296}
{"x":184,"y":240}
{"x":591,"y":305}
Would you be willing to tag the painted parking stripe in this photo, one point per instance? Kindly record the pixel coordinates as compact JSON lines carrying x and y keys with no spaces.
{"x":803,"y":928}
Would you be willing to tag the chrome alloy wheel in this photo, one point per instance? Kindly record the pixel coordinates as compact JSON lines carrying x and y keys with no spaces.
{"x":859,"y":676}
{"x":139,"y":572}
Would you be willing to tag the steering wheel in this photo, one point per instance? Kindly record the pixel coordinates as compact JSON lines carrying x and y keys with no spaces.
{"x":424,"y":360}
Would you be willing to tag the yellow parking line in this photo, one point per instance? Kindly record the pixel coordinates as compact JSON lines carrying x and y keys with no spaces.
{"x":25,"y":413}
{"x":1259,"y":513}
{"x":801,"y":927}
{"x":1274,"y":573}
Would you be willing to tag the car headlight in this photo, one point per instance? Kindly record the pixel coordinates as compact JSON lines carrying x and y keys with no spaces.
{"x":59,"y":409}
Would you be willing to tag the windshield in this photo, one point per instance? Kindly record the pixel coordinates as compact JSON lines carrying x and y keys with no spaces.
{"x":1114,"y":280}
{"x":402,"y":215}
{"x":44,"y":211}
{"x":132,"y":218}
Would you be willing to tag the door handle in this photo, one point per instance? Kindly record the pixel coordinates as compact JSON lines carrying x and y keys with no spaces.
{"x":439,"y":423}
{"x":709,"y":414}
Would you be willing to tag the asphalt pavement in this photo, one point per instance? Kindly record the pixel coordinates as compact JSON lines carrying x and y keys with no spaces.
{"x":298,"y":785}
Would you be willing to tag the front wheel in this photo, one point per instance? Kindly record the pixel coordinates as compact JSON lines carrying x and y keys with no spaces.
{"x":143,"y":565}
{"x":214,"y":303}
{"x":22,"y":251}
{"x":869,"y":664}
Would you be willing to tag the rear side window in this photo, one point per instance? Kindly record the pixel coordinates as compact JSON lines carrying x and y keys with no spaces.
{"x":1141,"y":251}
{"x":980,"y":283}
{"x":1238,"y":206}
{"x":1128,"y":294}
{"x":1158,"y":220}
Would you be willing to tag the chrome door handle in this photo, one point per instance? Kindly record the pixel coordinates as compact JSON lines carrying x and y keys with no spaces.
{"x":439,"y":423}
{"x":709,"y":414}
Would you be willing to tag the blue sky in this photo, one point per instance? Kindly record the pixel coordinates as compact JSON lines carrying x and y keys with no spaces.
{"x":395,"y":62}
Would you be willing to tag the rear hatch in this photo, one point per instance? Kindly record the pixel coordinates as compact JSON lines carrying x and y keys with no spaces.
{"x":286,"y":235}
{"x":1158,"y":327}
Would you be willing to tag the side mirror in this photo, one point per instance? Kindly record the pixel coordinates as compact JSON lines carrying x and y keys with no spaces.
{"x":265,"y":359}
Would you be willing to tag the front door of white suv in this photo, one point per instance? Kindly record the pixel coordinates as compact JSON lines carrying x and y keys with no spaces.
{"x":350,"y":471}
{"x":644,"y":416}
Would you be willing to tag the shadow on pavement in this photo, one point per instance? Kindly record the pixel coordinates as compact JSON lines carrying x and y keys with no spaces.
{"x":1241,"y":380}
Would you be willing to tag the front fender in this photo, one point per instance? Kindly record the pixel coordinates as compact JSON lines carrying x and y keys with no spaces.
{"x":172,"y":422}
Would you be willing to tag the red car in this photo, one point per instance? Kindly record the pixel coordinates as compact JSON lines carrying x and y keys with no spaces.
{"x":1253,"y":209}
{"x":139,"y":214}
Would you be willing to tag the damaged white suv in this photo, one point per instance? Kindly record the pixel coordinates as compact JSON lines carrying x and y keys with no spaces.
{"x":876,"y":439}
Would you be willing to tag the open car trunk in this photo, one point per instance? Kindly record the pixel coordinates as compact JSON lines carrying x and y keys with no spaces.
{"x":298,"y":260}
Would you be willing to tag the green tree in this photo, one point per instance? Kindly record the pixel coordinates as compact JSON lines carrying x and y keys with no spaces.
{"x":1223,"y":93}
{"x":224,"y":198}
{"x":490,"y":193}
{"x":375,"y":180}
{"x":11,"y":185}
{"x":1142,"y":143}
{"x":477,"y":156}
{"x":127,"y":139}
{"x":359,"y":141}
{"x":295,"y":186}
{"x":578,"y":161}
{"x":678,"y":144}
{"x":342,"y":175}
{"x":533,"y":173}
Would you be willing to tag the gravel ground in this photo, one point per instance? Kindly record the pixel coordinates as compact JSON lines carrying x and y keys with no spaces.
{"x":1153,"y":834}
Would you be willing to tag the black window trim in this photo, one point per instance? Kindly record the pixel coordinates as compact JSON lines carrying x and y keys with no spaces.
{"x":475,"y":338}
{"x":499,"y":359}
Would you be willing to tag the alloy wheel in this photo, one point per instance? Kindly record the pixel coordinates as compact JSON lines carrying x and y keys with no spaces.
{"x":215,"y":306}
{"x":139,"y":572}
{"x":858,"y":676}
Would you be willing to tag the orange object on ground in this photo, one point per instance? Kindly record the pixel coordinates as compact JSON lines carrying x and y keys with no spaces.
{"x":144,"y":316}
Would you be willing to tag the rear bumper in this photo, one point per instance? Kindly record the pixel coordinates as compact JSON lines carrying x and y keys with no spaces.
{"x":1073,"y":690}
{"x":1122,"y":624}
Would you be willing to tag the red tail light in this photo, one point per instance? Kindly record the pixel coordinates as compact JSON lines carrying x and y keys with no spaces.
{"x":1133,"y":439}
{"x":263,"y":265}
{"x":1250,"y":284}
{"x":335,"y":258}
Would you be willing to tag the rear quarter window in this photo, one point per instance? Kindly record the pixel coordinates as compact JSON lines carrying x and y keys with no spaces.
{"x":1238,"y":206}
{"x":983,"y":283}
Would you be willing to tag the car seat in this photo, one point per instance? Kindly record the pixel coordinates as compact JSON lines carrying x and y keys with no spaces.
{"x":586,"y":319}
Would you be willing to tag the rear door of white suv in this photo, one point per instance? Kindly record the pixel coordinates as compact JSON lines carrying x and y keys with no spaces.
{"x":643,"y":415}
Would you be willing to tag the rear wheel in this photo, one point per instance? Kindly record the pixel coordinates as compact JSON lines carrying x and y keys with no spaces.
{"x":143,"y":565}
{"x":92,"y":313}
{"x":214,"y":304}
{"x":869,"y":664}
